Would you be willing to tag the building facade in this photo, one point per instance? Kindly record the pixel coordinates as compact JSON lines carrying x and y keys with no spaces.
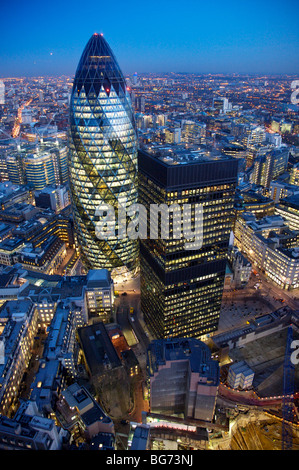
{"x":271,"y":246}
{"x":183,"y":379}
{"x":181,"y":289}
{"x":103,"y":156}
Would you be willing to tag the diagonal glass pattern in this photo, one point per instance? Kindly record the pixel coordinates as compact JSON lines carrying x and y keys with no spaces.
{"x":103,"y":154}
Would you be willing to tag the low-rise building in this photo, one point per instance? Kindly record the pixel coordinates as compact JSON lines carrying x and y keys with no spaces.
{"x":271,"y":246}
{"x":240,"y":375}
{"x":78,"y":412}
{"x":18,"y":326}
{"x":183,"y":378}
{"x":28,"y":430}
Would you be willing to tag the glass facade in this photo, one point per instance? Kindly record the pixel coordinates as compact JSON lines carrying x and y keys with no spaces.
{"x":181,"y":290}
{"x":103,"y":155}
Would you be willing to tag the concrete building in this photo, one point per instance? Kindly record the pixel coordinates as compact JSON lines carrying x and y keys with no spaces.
{"x":288,"y":209}
{"x":99,"y":294}
{"x":18,"y":326}
{"x":240,"y":375}
{"x":46,"y":386}
{"x":53,"y":197}
{"x":28,"y":430}
{"x":269,"y":166}
{"x":241,"y":268}
{"x":99,"y":353}
{"x":2,"y":93}
{"x":45,"y":257}
{"x":280,"y":190}
{"x":139,"y":437}
{"x":271,"y":246}
{"x":183,"y":379}
{"x":78,"y":409}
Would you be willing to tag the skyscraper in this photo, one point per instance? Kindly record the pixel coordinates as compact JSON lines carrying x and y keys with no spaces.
{"x":181,"y":289}
{"x":103,"y":155}
{"x":2,"y":92}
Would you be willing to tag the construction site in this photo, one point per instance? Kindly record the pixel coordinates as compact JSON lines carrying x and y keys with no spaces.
{"x":264,"y":414}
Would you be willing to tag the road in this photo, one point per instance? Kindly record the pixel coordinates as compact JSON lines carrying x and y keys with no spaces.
{"x":247,"y":398}
{"x":123,"y":304}
{"x":123,"y":318}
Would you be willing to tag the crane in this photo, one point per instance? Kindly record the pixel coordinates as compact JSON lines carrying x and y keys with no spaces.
{"x":41,"y":134}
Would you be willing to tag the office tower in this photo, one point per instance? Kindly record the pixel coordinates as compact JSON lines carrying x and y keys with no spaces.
{"x":193,"y":132}
{"x":55,"y":198}
{"x":222,"y":105}
{"x":288,"y":209}
{"x":15,"y":170}
{"x":135,"y":78}
{"x":256,"y":135}
{"x":103,"y":156}
{"x":26,"y":116}
{"x":268,"y":167}
{"x":183,"y":378}
{"x":274,"y":139}
{"x":38,"y":166}
{"x":2,"y":92}
{"x":140,"y":104}
{"x":181,"y":289}
{"x":39,"y":170}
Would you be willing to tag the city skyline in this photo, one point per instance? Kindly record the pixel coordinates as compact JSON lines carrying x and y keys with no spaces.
{"x":162,"y":38}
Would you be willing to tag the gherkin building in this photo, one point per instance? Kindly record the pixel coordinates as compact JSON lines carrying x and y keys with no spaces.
{"x":102,"y":157}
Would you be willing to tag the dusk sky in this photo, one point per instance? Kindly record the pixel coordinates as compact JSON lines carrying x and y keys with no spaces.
{"x":48,"y":38}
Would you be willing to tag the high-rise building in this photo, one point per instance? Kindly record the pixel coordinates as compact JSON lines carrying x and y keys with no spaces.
{"x":268,"y":167}
{"x":38,"y":166}
{"x":2,"y":92}
{"x":103,"y":156}
{"x":135,"y":78}
{"x":39,"y":170}
{"x":181,"y":289}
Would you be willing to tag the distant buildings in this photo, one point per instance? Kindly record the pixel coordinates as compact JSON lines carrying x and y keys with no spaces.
{"x":181,"y":289}
{"x":2,"y":92}
{"x":268,"y":167}
{"x":183,"y":379}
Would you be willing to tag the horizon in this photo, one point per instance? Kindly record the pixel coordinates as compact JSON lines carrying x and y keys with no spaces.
{"x":258,"y":39}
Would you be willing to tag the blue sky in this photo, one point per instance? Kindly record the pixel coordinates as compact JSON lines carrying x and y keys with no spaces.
{"x":48,"y":37}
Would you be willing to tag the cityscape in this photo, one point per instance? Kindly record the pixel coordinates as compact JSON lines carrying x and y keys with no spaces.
{"x":117,"y":331}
